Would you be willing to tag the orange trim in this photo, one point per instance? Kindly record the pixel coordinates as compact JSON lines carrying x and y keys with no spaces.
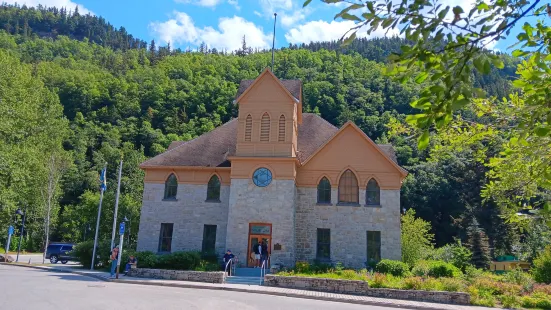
{"x":372,"y":177}
{"x":327,"y":177}
{"x":267,"y":70}
{"x":402,"y":171}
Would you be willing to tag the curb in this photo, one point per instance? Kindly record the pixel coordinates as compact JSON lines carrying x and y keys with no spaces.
{"x":244,"y":290}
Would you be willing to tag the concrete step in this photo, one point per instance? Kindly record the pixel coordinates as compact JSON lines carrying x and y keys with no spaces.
{"x":243,"y":280}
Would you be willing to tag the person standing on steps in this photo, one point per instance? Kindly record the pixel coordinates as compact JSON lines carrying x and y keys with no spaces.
{"x":257,"y":252}
{"x":226,"y":259}
{"x":264,"y":252}
{"x":114,"y":256}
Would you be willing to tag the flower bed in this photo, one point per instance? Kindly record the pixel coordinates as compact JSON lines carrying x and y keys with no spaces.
{"x":359,"y":287}
{"x":512,"y":290}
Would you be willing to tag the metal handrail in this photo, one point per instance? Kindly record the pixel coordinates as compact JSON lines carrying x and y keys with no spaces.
{"x":263,"y":269}
{"x":227,"y":264}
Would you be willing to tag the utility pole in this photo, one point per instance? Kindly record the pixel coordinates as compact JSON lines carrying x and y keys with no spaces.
{"x":103,"y":187}
{"x":116,"y":208}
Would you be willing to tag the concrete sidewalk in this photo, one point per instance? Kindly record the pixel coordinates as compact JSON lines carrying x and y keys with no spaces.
{"x":296,"y":293}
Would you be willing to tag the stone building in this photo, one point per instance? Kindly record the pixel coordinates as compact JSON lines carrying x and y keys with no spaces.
{"x":274,"y":174}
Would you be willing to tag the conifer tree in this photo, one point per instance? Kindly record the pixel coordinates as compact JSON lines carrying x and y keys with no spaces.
{"x":478,"y":244}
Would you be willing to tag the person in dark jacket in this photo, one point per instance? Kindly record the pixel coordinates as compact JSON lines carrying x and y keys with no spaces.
{"x":264,"y":253}
{"x":226,"y":259}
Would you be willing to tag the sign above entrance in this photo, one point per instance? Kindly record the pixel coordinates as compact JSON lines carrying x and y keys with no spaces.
{"x":261,"y":230}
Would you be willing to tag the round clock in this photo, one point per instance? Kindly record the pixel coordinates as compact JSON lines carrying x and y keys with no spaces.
{"x":262,"y":177}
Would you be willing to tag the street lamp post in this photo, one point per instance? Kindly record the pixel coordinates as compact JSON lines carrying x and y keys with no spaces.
{"x":23,"y":214}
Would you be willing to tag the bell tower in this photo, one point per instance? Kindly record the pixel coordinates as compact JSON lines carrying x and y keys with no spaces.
{"x":269,"y":113}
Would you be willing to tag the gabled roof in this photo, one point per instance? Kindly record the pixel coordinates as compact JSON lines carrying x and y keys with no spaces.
{"x":213,"y":148}
{"x":291,"y":87}
{"x":390,"y":156}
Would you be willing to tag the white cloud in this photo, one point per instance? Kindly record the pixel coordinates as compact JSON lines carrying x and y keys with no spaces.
{"x":235,"y":4}
{"x":69,"y":5}
{"x":181,"y":29}
{"x":320,"y":30}
{"x":291,"y":20}
{"x":210,"y":3}
{"x":257,"y":13}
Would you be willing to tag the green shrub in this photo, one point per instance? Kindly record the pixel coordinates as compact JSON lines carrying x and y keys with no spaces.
{"x":431,"y":284}
{"x":146,"y":259}
{"x":517,"y":276}
{"x":179,"y":261}
{"x":377,"y":281}
{"x":302,"y":267}
{"x":542,"y":266}
{"x":510,"y":301}
{"x":83,"y":253}
{"x":210,"y":257}
{"x":537,"y":300}
{"x":436,"y":269}
{"x":452,"y":284}
{"x":320,"y":267}
{"x":413,"y":283}
{"x":393,"y":267}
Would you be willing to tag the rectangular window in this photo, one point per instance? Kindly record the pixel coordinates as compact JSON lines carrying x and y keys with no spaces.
{"x":165,"y":237}
{"x":209,"y":239}
{"x":373,"y":246}
{"x":324,"y":244}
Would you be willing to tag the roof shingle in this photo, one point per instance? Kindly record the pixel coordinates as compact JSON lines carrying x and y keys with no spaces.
{"x":213,"y":148}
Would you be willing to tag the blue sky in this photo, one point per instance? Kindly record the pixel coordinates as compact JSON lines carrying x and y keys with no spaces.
{"x":222,"y":23}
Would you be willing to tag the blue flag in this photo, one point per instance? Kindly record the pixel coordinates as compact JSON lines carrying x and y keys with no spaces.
{"x":103,"y":180}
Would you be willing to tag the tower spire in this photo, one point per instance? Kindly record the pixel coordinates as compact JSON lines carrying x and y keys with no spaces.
{"x":273,"y":41}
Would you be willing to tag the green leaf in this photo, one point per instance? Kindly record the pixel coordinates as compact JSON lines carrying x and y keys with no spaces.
{"x":421,"y":77}
{"x":458,"y":104}
{"x":350,"y":17}
{"x":479,"y":63}
{"x":542,"y":131}
{"x":519,"y":83}
{"x":370,"y":7}
{"x":483,"y":6}
{"x":349,"y":39}
{"x":423,"y":140}
{"x":498,"y":63}
{"x":457,"y":10}
{"x":414,"y":118}
{"x":486,"y":67}
{"x":306,"y":3}
{"x":331,"y":1}
{"x":442,"y":14}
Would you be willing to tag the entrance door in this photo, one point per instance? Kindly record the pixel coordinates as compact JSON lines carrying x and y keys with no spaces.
{"x":254,"y":240}
{"x":258,"y":232}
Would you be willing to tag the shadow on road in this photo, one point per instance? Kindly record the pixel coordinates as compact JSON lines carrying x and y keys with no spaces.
{"x":73,"y":277}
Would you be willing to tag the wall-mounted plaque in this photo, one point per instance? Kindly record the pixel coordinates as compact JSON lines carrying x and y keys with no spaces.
{"x":277,"y":247}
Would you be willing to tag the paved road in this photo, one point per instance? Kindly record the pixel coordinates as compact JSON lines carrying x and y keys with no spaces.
{"x":25,"y":288}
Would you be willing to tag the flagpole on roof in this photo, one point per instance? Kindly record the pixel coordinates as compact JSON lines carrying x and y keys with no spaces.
{"x":273,"y":41}
{"x":103,"y":187}
{"x":116,"y":207}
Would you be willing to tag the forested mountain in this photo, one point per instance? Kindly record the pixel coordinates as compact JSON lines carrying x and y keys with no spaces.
{"x":122,"y":98}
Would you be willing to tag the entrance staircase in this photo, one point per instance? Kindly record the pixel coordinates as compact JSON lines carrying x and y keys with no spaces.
{"x":246,"y":276}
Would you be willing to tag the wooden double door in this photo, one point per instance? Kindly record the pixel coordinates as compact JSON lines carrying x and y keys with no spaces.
{"x":259,"y":232}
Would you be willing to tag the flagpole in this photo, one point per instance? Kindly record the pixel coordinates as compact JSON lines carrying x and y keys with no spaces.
{"x":102,"y":189}
{"x":116,"y":208}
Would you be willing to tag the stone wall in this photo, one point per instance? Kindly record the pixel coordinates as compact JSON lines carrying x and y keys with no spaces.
{"x":189,"y":213}
{"x":362,"y":288}
{"x":273,"y":204}
{"x":182,"y":275}
{"x":348,"y":225}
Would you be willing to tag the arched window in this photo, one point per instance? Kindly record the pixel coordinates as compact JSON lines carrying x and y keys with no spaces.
{"x":171,"y":187}
{"x":373,"y":193}
{"x":348,"y":188}
{"x":281,"y":137}
{"x":248,"y":127}
{"x":324,"y":191}
{"x":265,"y":128}
{"x":213,"y":189}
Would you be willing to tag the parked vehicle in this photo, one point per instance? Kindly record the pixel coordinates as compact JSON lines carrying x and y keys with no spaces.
{"x":59,"y":252}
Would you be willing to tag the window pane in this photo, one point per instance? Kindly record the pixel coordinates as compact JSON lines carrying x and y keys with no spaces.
{"x":373,"y":246}
{"x":324,"y":191}
{"x":171,"y":187}
{"x":348,"y":188}
{"x":324,"y":244}
{"x":213,"y":190}
{"x":209,"y":238}
{"x":165,"y":237}
{"x":373,"y":193}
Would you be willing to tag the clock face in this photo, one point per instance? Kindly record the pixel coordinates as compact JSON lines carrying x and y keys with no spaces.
{"x":262,"y":177}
